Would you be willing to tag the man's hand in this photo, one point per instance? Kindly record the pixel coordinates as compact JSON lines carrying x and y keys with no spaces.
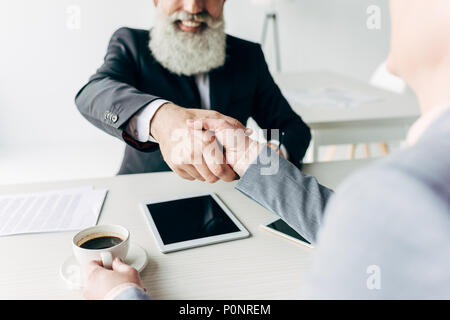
{"x":100,"y":281}
{"x":240,"y":150}
{"x":184,"y":149}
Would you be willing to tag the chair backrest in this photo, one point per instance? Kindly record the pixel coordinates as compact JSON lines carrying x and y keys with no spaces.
{"x":383,"y":79}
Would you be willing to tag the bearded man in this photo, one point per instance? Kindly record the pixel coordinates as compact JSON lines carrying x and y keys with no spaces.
{"x":185,"y":68}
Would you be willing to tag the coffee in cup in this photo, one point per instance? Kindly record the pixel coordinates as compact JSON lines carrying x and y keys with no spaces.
{"x":103,"y":242}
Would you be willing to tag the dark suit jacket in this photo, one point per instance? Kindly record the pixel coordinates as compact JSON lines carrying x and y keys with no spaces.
{"x":131,"y":78}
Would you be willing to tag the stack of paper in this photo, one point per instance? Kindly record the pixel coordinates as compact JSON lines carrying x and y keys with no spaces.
{"x":329,"y":97}
{"x":51,"y":211}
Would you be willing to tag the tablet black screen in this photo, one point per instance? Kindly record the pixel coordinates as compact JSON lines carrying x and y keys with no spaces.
{"x":190,"y":219}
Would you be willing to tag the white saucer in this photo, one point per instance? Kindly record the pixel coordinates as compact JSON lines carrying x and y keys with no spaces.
{"x":72,"y":274}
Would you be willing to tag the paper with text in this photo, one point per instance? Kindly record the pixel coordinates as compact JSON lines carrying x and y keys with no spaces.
{"x":51,"y":211}
{"x":329,"y":97}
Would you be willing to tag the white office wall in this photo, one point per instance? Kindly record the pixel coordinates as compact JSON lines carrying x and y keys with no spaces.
{"x":318,"y":34}
{"x":43,"y":62}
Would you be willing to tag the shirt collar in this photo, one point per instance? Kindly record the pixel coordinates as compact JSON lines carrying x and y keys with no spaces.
{"x":423,"y":123}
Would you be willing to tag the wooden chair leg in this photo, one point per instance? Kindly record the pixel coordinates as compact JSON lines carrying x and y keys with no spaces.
{"x":351,"y":154}
{"x":331,"y":151}
{"x":384,"y":148}
{"x":366,"y":150}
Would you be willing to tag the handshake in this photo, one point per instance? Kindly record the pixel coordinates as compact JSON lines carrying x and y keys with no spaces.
{"x":203,"y":145}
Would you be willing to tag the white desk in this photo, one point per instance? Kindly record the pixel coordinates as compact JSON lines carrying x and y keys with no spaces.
{"x":263,"y":266}
{"x":380,"y":121}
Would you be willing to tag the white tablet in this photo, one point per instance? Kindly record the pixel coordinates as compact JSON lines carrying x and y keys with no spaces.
{"x":192,"y":221}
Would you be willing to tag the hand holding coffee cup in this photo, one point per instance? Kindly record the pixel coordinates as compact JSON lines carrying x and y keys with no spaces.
{"x":104,"y":242}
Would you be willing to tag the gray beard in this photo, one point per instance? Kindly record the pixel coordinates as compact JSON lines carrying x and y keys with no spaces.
{"x":185,"y":53}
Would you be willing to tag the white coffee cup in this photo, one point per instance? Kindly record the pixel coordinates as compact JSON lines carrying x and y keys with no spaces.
{"x":107,"y":255}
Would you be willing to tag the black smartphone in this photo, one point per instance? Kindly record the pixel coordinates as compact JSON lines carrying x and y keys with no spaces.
{"x":281,"y":228}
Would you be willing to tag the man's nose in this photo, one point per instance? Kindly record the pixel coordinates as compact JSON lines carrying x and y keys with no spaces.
{"x":193,"y":6}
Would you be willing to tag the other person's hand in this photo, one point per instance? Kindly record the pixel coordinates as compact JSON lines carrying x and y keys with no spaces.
{"x":240,"y":150}
{"x":183,"y":148}
{"x":100,"y":281}
{"x":275,"y":147}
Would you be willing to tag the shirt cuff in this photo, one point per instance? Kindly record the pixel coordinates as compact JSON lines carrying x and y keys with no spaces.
{"x":139,"y":125}
{"x":282,"y":148}
{"x":117,"y":290}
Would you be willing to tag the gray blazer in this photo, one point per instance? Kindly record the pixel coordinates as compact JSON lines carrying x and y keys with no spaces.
{"x":385,"y":234}
{"x":132,"y":293}
{"x":386,"y":231}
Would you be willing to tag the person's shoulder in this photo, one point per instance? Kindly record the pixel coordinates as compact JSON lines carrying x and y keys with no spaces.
{"x":426,"y":162}
{"x":245,"y":54}
{"x":376,"y":177}
{"x":421,"y":167}
{"x":130,"y":34}
{"x":242,"y":45}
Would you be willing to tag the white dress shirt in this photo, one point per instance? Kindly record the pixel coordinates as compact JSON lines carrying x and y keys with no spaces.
{"x":139,"y":125}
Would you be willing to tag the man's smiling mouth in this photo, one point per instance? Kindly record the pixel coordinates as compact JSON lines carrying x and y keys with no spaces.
{"x":190,"y":25}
